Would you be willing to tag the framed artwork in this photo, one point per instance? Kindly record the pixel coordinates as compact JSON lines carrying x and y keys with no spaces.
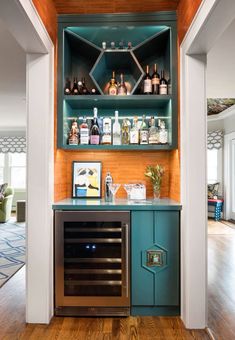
{"x":86,"y":179}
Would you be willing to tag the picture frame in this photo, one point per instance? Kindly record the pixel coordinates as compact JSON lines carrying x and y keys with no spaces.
{"x":86,"y":179}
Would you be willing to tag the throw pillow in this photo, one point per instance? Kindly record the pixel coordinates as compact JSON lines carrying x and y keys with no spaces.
{"x":2,"y":190}
{"x":213,"y":190}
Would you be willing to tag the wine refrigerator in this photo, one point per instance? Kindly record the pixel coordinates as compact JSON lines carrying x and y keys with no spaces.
{"x":92,"y":263}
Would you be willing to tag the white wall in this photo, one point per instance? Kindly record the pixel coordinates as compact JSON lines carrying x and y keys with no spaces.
{"x":12,"y":83}
{"x":221,"y":66}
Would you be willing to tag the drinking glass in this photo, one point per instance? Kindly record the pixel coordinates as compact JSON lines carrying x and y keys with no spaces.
{"x":128,"y":188}
{"x":114,"y":188}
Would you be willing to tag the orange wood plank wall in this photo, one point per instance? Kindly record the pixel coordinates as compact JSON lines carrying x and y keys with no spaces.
{"x":124,"y":166}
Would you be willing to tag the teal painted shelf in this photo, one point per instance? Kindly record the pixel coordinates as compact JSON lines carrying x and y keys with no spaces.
{"x":118,"y":147}
{"x":121,"y":102}
{"x":80,"y":54}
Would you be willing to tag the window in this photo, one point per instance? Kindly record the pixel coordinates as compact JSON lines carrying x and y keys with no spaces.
{"x":13,"y":170}
{"x":2,"y":163}
{"x":212,"y":167}
{"x":17,"y":163}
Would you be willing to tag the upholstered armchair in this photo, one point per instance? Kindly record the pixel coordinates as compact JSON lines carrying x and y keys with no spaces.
{"x":6,"y":205}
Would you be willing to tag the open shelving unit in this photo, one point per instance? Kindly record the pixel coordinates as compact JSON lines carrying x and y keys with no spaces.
{"x":153,"y":38}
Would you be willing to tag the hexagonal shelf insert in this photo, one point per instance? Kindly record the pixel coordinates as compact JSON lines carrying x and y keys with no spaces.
{"x":120,"y":61}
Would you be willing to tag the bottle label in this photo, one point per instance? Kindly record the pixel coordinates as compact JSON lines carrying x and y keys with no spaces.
{"x":112,"y":91}
{"x":67,"y":90}
{"x":143,"y":137}
{"x":122,"y":90}
{"x":73,"y":140}
{"x":155,"y":81}
{"x":95,"y":139}
{"x":134,"y":137}
{"x":147,"y":86}
{"x":106,"y":139}
{"x":163,"y":89}
{"x":116,"y":139}
{"x":84,"y":136}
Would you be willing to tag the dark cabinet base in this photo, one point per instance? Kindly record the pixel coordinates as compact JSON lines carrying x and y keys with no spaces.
{"x":92,"y":311}
{"x":155,"y":311}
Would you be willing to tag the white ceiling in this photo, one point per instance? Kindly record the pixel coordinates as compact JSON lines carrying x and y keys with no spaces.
{"x":12,"y":83}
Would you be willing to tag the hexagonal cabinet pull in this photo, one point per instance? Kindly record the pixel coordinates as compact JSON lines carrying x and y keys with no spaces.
{"x":154,"y":258}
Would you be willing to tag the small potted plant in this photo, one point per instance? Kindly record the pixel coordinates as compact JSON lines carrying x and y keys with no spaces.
{"x":155,"y":173}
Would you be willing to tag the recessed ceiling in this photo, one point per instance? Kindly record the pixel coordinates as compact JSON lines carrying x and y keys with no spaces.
{"x":115,"y":6}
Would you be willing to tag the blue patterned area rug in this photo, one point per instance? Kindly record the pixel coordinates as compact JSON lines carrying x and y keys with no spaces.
{"x":12,"y":249}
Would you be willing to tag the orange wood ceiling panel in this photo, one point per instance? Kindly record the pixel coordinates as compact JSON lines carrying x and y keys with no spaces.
{"x":115,"y":6}
{"x":186,"y":12}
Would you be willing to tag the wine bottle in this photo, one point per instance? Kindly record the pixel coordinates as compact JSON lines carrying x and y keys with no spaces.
{"x":163,"y":84}
{"x":112,"y":90}
{"x":67,"y":88}
{"x":122,"y":90}
{"x":84,"y":89}
{"x":147,"y":82}
{"x":84,"y":132}
{"x":75,"y":89}
{"x":155,"y":80}
{"x":116,"y":131}
{"x":95,"y":131}
{"x":134,"y":132}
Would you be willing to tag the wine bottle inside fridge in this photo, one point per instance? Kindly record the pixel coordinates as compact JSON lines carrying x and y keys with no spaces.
{"x":155,"y":80}
{"x":163,"y":84}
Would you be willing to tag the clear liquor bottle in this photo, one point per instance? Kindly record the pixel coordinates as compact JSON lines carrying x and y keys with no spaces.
{"x":116,"y":131}
{"x":107,"y":131}
{"x":153,"y":132}
{"x":163,"y":133}
{"x":95,"y":130}
{"x":144,"y":132}
{"x":84,"y":132}
{"x":122,"y":90}
{"x":125,"y":132}
{"x":134,"y":132}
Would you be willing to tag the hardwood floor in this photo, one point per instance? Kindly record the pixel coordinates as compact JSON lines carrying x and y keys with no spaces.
{"x":12,"y":323}
{"x":221,"y":285}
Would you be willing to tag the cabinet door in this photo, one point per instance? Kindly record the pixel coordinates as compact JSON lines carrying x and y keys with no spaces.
{"x":155,"y":258}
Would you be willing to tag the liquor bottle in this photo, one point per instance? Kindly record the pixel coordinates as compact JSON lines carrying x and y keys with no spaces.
{"x":163,"y":134}
{"x":107,"y":131}
{"x":155,"y":80}
{"x":95,"y":131}
{"x":163,"y":84}
{"x":83,"y":89}
{"x":67,"y":88}
{"x":125,"y":132}
{"x":84,"y":132}
{"x":116,"y":131}
{"x":73,"y":134}
{"x":129,"y":45}
{"x":153,"y":132}
{"x":144,"y":133}
{"x":112,"y":90}
{"x":108,"y":194}
{"x":134,"y":132}
{"x":75,"y":89}
{"x":122,"y":90}
{"x":121,"y":45}
{"x":112,"y":45}
{"x":147,"y":82}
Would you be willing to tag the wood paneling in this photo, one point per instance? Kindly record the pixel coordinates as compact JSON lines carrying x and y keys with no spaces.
{"x":115,"y":6}
{"x":48,"y":14}
{"x":124,"y":167}
{"x":13,"y":326}
{"x":186,"y":12}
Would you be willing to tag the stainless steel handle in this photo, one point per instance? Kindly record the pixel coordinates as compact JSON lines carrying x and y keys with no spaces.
{"x":125,"y":259}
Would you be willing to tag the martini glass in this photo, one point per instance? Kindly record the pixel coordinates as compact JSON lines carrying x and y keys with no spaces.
{"x":128,"y":188}
{"x":114,"y":189}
